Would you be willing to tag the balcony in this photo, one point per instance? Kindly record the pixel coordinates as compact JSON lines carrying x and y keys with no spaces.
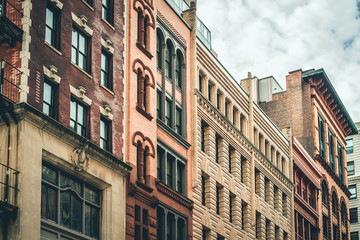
{"x":10,"y":21}
{"x":8,"y":189}
{"x":9,"y":82}
{"x":203,"y":33}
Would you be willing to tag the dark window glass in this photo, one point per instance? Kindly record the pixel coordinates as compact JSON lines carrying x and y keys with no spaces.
{"x":354,"y":236}
{"x":340,"y":162}
{"x":168,"y":112}
{"x":230,"y":157}
{"x":178,"y":120}
{"x":203,"y":137}
{"x":170,"y":225}
{"x":331,"y":150}
{"x":321,"y":137}
{"x":324,"y":194}
{"x":180,"y":177}
{"x":218,"y":100}
{"x":231,"y":208}
{"x":217,"y":200}
{"x":209,"y":91}
{"x":226,"y":108}
{"x":78,"y":116}
{"x":352,"y":190}
{"x":353,"y":215}
{"x":104,"y":134}
{"x":160,"y":163}
{"x":79,"y":50}
{"x":200,"y":83}
{"x":170,"y":170}
{"x":217,"y":139}
{"x":146,"y":34}
{"x":159,"y":56}
{"x":52,"y":28}
{"x":349,"y":146}
{"x":73,"y":200}
{"x":105,"y":70}
{"x":178,"y":77}
{"x":203,"y":191}
{"x":243,"y":216}
{"x":49,"y":99}
{"x":107,"y":10}
{"x":350,"y":168}
{"x":141,"y":223}
{"x":158,"y":104}
{"x":168,"y":61}
{"x":325,"y":226}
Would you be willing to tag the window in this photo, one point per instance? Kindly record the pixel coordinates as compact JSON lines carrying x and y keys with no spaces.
{"x":354,"y":236}
{"x":70,"y":203}
{"x":168,"y":112}
{"x":324,"y":194}
{"x":202,"y":136}
{"x":90,"y":2}
{"x":217,"y":150}
{"x":159,"y":52}
{"x":243,"y":206}
{"x":321,"y":136}
{"x":352,"y":190}
{"x":143,"y":24}
{"x":203,"y":190}
{"x":340,"y":163}
{"x":200,"y":83}
{"x":49,"y":98}
{"x":267,"y":188}
{"x":243,"y":168}
{"x":217,"y":200}
{"x":343,"y":213}
{"x":204,"y":234}
{"x":141,"y":223}
{"x":78,"y":117}
{"x":284,"y":204}
{"x":331,"y":150}
{"x":106,"y":75}
{"x":171,"y":170}
{"x":231,"y":202}
{"x":209,"y":90}
{"x":334,"y":204}
{"x":52,"y":27}
{"x":326,"y":226}
{"x":178,"y":71}
{"x":176,"y":225}
{"x":105,"y":134}
{"x":79,"y":50}
{"x":257,"y":224}
{"x":226,"y":109}
{"x":349,"y":146}
{"x":178,"y":123}
{"x":257,"y":182}
{"x":218,"y":100}
{"x":107,"y":11}
{"x":353,"y":215}
{"x":231,"y":151}
{"x":141,"y":93}
{"x":158,"y":104}
{"x":350,"y":168}
{"x":168,"y":61}
{"x":141,"y":162}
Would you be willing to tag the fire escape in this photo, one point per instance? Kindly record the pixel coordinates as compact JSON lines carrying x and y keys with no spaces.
{"x":10,"y":33}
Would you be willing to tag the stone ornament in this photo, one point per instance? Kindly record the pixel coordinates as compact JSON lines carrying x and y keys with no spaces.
{"x":80,"y":158}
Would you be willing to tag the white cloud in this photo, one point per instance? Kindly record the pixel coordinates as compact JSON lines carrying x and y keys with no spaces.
{"x":275,"y":37}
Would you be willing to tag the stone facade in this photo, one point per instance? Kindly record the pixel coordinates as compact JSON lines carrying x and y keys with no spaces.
{"x":320,"y":122}
{"x":353,"y":169}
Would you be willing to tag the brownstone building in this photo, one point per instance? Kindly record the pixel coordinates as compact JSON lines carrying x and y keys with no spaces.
{"x":62,"y":119}
{"x":158,"y":121}
{"x":320,"y":122}
{"x":306,"y":192}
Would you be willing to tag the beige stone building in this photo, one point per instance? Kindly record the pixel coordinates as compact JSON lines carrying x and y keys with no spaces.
{"x":242,"y":161}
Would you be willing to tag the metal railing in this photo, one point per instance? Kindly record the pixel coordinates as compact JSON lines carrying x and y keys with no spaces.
{"x":9,"y":81}
{"x":203,"y":33}
{"x":178,"y":5}
{"x":8,"y":185}
{"x":11,"y":9}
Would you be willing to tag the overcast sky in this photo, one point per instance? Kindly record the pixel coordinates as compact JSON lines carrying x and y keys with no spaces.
{"x":275,"y":37}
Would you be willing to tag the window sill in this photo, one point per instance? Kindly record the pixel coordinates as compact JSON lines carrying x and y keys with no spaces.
{"x":82,"y":70}
{"x":107,"y":23}
{"x":144,"y":186}
{"x":172,"y":133}
{"x":52,"y":48}
{"x":146,"y":52}
{"x":144,"y":113}
{"x":107,"y":89}
{"x":88,"y":5}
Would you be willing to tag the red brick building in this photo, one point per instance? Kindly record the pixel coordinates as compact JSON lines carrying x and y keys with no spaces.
{"x":62,"y":73}
{"x":320,"y":122}
{"x":158,"y":123}
{"x":306,"y":192}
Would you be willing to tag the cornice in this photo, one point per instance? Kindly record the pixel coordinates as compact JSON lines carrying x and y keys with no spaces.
{"x":26,"y":112}
{"x":163,"y":188}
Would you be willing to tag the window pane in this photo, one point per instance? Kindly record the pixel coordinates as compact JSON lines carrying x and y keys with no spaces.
{"x":49,"y":18}
{"x":92,"y":195}
{"x":80,"y":116}
{"x":46,"y":235}
{"x":66,"y":182}
{"x":82,"y":44}
{"x":48,"y":96}
{"x":73,"y":55}
{"x":49,"y":175}
{"x":65,"y":209}
{"x":76,"y":216}
{"x":48,"y":35}
{"x":75,"y":38}
{"x":91,"y":221}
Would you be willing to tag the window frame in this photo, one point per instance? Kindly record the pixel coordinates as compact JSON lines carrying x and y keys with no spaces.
{"x":107,"y":139}
{"x":76,"y":48}
{"x":353,"y":220}
{"x":53,"y":105}
{"x":84,"y":125}
{"x":107,"y":70}
{"x":321,"y":130}
{"x":351,"y":172}
{"x":349,"y":149}
{"x":353,"y":196}
{"x":142,"y":223}
{"x":55,"y":29}
{"x":108,"y":7}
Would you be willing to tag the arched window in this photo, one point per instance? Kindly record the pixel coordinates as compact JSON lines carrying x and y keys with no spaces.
{"x":343,"y":213}
{"x":168,"y":60}
{"x":334,"y":204}
{"x":159,"y":52}
{"x":140,"y":28}
{"x":178,"y":73}
{"x":145,"y":163}
{"x":146,"y":32}
{"x":141,"y":90}
{"x":139,"y":156}
{"x":324,"y":192}
{"x":144,"y":86}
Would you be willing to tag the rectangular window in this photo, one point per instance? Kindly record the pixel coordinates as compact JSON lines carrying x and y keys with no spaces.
{"x":217,"y":200}
{"x":107,"y":11}
{"x":158,"y":51}
{"x":354,"y":236}
{"x":106,"y":75}
{"x":325,"y":226}
{"x":158,"y":104}
{"x":353,"y":215}
{"x":178,"y":75}
{"x":226,"y":109}
{"x":350,"y":168}
{"x":321,"y":136}
{"x":331,"y":150}
{"x":70,"y":203}
{"x":231,"y":202}
{"x":105,"y":138}
{"x":243,"y":168}
{"x":340,"y":162}
{"x":168,"y":112}
{"x":78,"y":117}
{"x":203,"y":190}
{"x":353,"y":191}
{"x":218,"y":100}
{"x":200,"y":83}
{"x":202,"y":137}
{"x":243,"y":206}
{"x":267,"y":187}
{"x":79,"y":50}
{"x":171,"y":170}
{"x":231,"y":150}
{"x":49,"y":98}
{"x":178,"y":120}
{"x":257,"y":182}
{"x":209,"y":91}
{"x":141,"y":223}
{"x":170,"y":224}
{"x":52,"y":28}
{"x":217,"y":140}
{"x":349,"y":146}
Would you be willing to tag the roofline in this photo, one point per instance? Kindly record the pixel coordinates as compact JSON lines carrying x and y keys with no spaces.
{"x":342,"y":107}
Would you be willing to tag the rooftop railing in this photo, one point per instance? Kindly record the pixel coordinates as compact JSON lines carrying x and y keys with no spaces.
{"x":178,"y":5}
{"x":9,"y":81}
{"x":8,"y":185}
{"x":11,"y":9}
{"x":203,"y":33}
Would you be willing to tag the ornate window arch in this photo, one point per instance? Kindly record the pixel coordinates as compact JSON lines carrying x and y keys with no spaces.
{"x":145,"y":20}
{"x":325,"y":193}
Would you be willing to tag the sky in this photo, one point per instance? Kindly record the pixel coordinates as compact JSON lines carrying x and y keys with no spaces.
{"x":276,"y":37}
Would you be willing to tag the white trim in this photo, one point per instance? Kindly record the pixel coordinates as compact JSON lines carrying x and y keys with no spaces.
{"x":81,"y":22}
{"x":79,"y":93}
{"x":50,"y":73}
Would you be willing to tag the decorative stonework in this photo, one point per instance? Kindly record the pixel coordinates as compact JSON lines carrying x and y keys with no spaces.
{"x":81,"y":22}
{"x":80,"y":159}
{"x":50,"y":73}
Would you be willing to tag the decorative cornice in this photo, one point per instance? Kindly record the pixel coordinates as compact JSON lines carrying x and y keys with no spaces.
{"x":143,"y":196}
{"x":173,"y":134}
{"x":332,"y":174}
{"x":163,"y":188}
